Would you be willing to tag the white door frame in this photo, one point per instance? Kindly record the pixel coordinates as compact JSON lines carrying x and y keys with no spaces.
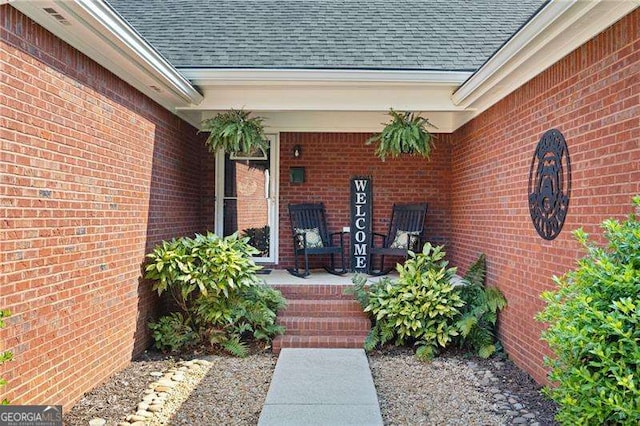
{"x":272,"y":201}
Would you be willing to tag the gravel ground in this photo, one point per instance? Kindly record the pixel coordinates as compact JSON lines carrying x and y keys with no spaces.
{"x":232,"y":393}
{"x":120,"y":394}
{"x":436,"y":393}
{"x":451,"y":390}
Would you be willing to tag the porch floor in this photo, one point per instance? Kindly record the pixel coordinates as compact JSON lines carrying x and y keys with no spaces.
{"x":317,"y":277}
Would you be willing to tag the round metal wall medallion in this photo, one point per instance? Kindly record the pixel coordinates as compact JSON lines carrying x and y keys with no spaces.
{"x":550,"y":184}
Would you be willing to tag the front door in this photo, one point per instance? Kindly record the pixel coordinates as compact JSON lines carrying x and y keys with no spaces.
{"x":246,"y":197}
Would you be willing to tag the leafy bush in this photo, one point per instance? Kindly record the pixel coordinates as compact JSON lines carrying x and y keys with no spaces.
{"x":420,"y":307}
{"x":594,"y":330}
{"x":480,"y":312}
{"x":214,"y":283}
{"x":171,"y":332}
{"x":6,"y":355}
{"x":189,"y":267}
{"x":251,"y":311}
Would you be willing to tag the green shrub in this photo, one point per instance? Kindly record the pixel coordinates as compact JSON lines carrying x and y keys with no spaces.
{"x":6,"y":355}
{"x":214,"y":283}
{"x":594,"y":330}
{"x":420,"y":307}
{"x":480,"y":312}
{"x":172,"y":333}
{"x":251,"y":311}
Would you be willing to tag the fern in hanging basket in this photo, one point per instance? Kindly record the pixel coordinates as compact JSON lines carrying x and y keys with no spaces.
{"x":406,"y":134}
{"x":234,"y":131}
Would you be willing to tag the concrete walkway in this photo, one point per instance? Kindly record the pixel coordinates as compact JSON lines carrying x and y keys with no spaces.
{"x":321,"y":387}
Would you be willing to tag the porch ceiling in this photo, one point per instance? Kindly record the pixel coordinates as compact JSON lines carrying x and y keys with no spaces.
{"x":328,"y":100}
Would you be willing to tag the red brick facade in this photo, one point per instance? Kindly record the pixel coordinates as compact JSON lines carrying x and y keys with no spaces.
{"x":331,"y":159}
{"x":92,"y":174}
{"x":593,"y":97}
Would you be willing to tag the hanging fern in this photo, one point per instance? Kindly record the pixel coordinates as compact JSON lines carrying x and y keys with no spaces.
{"x":406,"y":134}
{"x":234,"y":131}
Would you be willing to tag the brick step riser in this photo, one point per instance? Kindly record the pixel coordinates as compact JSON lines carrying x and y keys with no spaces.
{"x":313,"y":326}
{"x":319,"y":332}
{"x":323,"y":308}
{"x":314,"y":292}
{"x":324,"y":342}
{"x":321,"y":316}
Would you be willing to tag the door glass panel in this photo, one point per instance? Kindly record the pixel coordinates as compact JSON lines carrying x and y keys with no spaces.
{"x":247,"y":186}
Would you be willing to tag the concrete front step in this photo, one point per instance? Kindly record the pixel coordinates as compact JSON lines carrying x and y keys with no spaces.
{"x":318,"y":326}
{"x":323,"y":308}
{"x":322,"y":341}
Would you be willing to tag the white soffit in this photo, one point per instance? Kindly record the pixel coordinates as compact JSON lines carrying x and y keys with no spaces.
{"x":326,"y":100}
{"x":559,"y":28}
{"x":338,"y":121}
{"x":92,"y":27}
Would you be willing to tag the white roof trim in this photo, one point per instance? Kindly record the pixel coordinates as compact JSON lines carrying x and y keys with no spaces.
{"x":211,"y":75}
{"x":558,"y":29}
{"x":118,"y":27}
{"x":95,"y":29}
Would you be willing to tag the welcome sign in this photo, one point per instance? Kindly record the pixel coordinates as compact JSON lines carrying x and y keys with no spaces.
{"x":361,"y":218}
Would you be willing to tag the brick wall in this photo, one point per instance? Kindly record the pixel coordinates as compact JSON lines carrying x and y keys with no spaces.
{"x":331,"y":159}
{"x":92,"y":174}
{"x":592,"y":96}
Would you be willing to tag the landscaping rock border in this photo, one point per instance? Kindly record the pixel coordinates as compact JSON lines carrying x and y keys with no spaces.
{"x":164,"y":396}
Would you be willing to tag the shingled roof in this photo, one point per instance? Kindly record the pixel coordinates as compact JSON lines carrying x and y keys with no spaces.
{"x":443,"y":35}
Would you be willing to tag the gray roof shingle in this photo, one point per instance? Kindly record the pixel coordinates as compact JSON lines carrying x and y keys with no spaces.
{"x":446,"y":35}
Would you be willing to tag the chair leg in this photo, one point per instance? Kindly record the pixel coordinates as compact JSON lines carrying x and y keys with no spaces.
{"x":306,"y":264}
{"x":333,"y":270}
{"x":296,"y":271}
{"x":382,"y":271}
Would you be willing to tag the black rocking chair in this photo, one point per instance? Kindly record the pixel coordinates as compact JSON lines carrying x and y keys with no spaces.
{"x":406,"y":232}
{"x":310,"y":237}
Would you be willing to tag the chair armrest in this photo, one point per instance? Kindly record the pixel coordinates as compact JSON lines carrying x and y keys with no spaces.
{"x":341,"y":233}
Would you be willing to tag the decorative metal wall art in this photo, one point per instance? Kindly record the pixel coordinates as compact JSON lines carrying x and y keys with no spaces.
{"x":550,"y":184}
